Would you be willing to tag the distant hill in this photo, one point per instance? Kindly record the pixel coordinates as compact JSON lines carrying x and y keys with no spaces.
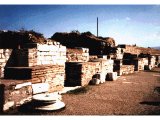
{"x":75,"y":39}
{"x":12,"y":39}
{"x":158,"y":47}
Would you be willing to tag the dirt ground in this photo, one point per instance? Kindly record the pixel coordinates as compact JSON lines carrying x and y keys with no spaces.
{"x":133,"y":94}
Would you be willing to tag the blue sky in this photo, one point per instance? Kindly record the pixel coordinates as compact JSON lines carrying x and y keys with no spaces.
{"x":127,"y":24}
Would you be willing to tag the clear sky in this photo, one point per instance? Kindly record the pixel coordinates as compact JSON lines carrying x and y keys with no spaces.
{"x":127,"y":24}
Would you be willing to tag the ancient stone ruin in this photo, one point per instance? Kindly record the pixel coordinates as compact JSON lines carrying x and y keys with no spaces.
{"x":64,"y":60}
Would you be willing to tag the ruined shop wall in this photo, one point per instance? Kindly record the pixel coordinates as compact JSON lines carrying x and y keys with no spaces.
{"x":50,"y":67}
{"x":77,"y":54}
{"x":80,"y":73}
{"x":129,"y":49}
{"x":124,"y":69}
{"x":118,"y":54}
{"x":139,"y":63}
{"x":14,"y":94}
{"x":51,"y":54}
{"x":17,"y":58}
{"x":54,"y":75}
{"x":132,"y":49}
{"x":152,"y":61}
{"x":106,"y":65}
{"x":42,"y":54}
{"x":4,"y":56}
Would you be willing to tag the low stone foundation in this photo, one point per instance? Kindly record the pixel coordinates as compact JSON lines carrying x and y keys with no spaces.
{"x":14,"y":94}
{"x":124,"y":69}
{"x":52,"y":74}
{"x":79,"y":74}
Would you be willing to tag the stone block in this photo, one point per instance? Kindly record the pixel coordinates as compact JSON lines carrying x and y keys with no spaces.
{"x":2,"y":60}
{"x":1,"y":51}
{"x":40,"y":88}
{"x":111,"y":76}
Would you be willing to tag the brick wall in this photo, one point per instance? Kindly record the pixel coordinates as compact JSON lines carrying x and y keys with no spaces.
{"x":53,"y":54}
{"x":52,"y":74}
{"x":77,"y":55}
{"x":80,"y":74}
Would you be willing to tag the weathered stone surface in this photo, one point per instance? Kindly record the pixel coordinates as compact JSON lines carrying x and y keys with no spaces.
{"x":47,"y":97}
{"x":51,"y":107}
{"x":4,"y":56}
{"x":77,"y":55}
{"x":111,"y":76}
{"x":95,"y":81}
{"x":79,"y":74}
{"x":54,"y":75}
{"x":14,"y":97}
{"x":40,"y":87}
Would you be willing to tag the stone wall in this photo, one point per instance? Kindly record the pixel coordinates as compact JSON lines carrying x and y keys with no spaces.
{"x":133,"y":49}
{"x":140,"y":63}
{"x":14,"y":94}
{"x":129,"y":49}
{"x":52,"y":74}
{"x":51,"y":54}
{"x":118,"y":54}
{"x":80,"y":74}
{"x":77,"y":54}
{"x":124,"y":69}
{"x":152,"y":61}
{"x":42,"y":54}
{"x":106,"y":65}
{"x":4,"y":56}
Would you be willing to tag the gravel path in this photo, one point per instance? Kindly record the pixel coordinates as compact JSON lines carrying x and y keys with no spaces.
{"x":121,"y":97}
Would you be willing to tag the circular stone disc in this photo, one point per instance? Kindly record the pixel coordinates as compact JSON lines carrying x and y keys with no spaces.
{"x":47,"y":97}
{"x":56,"y":106}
